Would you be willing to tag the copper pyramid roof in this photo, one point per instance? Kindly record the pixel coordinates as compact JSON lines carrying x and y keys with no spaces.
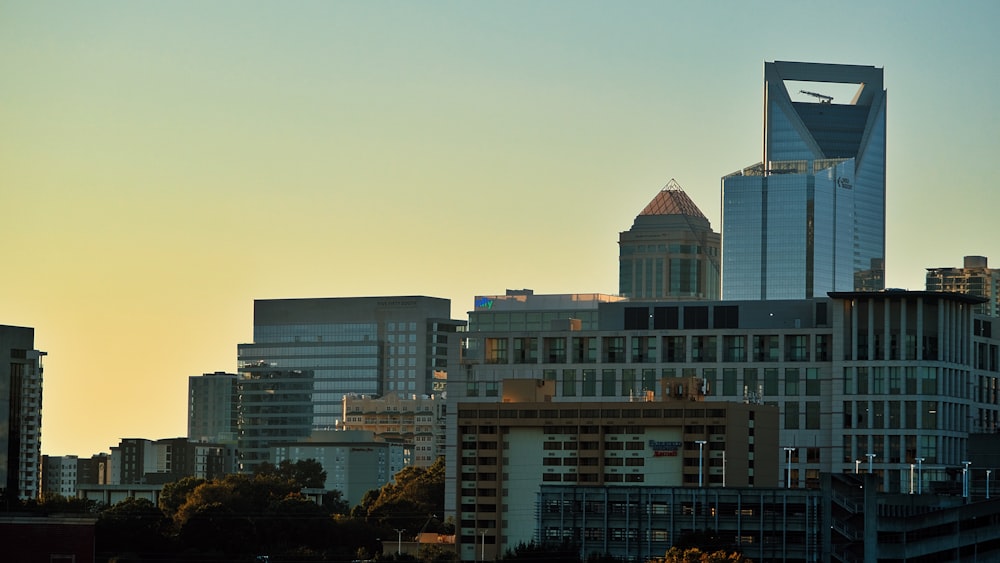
{"x":672,"y":201}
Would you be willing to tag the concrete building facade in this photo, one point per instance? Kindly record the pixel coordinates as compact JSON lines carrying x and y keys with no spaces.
{"x":896,"y":374}
{"x":671,"y":251}
{"x":810,"y":217}
{"x":506,"y":449}
{"x":21,"y":413}
{"x":59,"y":475}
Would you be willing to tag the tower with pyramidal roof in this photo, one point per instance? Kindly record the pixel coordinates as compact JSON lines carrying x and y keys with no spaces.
{"x":671,"y":251}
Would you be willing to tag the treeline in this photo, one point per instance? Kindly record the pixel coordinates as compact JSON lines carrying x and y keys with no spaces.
{"x":266,"y":517}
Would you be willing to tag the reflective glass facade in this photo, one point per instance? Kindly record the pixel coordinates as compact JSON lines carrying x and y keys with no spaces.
{"x":810,"y":218}
{"x":342,"y":346}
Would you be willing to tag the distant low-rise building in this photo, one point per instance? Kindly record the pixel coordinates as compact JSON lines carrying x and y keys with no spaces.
{"x":59,"y":475}
{"x":416,"y":423}
{"x":354,"y":460}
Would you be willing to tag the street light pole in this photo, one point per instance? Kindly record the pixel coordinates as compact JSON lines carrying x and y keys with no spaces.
{"x":912,"y":467}
{"x":788,"y":477}
{"x":988,"y":472}
{"x":399,"y":540}
{"x":920,"y":475}
{"x":701,"y":452}
{"x":482,"y":546}
{"x":857,"y":466}
{"x":965,"y":479}
{"x":870,"y":457}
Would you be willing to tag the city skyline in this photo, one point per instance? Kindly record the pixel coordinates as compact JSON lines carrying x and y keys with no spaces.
{"x":169,"y":164}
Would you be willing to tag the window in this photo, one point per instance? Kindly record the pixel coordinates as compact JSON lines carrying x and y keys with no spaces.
{"x":569,"y":382}
{"x":674,"y":349}
{"x":613,"y":349}
{"x":797,"y":348}
{"x":584,"y":349}
{"x":812,"y":415}
{"x":729,"y":382}
{"x":628,"y":383}
{"x":589,"y":383}
{"x":608,"y":383}
{"x":554,"y":350}
{"x":496,"y":350}
{"x":791,"y":415}
{"x":703,"y":349}
{"x":734,"y":348}
{"x":765,"y":348}
{"x":791,"y":382}
{"x":525,"y":351}
{"x":812,"y":382}
{"x":643,"y":349}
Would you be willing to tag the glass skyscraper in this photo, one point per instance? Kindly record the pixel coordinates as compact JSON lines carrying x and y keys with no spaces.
{"x":810,"y":217}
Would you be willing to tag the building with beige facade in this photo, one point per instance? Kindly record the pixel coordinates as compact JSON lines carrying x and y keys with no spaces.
{"x":508,"y":447}
{"x":975,"y":277}
{"x":417,"y":423}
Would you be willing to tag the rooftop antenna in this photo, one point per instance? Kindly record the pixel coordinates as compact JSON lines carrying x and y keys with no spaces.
{"x":823,"y":98}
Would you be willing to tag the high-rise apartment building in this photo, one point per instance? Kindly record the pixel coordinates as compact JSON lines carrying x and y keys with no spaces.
{"x":810,"y":217}
{"x":20,"y":413}
{"x":212,"y":407}
{"x":313,"y":352}
{"x":974,"y":278}
{"x":671,"y":251}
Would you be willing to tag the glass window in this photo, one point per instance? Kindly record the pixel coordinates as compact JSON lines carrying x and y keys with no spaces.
{"x":791,"y":415}
{"x":791,"y":382}
{"x":812,"y":382}
{"x":729,"y":382}
{"x":812,"y":415}
{"x":608,"y":383}
{"x":590,"y":383}
{"x":613,"y":349}
{"x":569,"y":382}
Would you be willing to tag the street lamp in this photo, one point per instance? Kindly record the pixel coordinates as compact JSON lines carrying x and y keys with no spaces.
{"x":870,"y":458}
{"x":912,"y":467}
{"x":724,"y":471}
{"x":788,"y":477}
{"x":857,"y":465}
{"x":920,"y":475}
{"x":701,"y":451}
{"x":482,"y":545}
{"x":399,"y":540}
{"x":965,"y":479}
{"x":988,"y":472}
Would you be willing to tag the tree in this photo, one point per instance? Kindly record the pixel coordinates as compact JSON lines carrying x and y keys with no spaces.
{"x":175,"y":494}
{"x":132,"y":526}
{"x":410,"y":503}
{"x":305,"y":473}
{"x":564,"y":552}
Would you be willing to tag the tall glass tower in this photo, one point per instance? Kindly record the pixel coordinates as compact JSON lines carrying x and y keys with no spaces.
{"x":810,"y":217}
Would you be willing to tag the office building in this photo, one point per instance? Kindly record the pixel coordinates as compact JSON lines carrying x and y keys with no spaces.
{"x":973,"y":278}
{"x":213,"y":408}
{"x":810,"y":217}
{"x":898,"y":374}
{"x":506,"y":449}
{"x":316,"y":351}
{"x":21,"y":410}
{"x":416,"y":423}
{"x":671,"y":251}
{"x":354,"y":460}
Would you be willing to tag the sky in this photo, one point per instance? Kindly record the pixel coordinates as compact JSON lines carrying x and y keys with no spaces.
{"x":163,"y":164}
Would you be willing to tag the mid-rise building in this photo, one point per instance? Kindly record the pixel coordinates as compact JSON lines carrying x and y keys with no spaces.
{"x":810,"y":217}
{"x":898,"y":374}
{"x":416,"y":423}
{"x":213,"y":409}
{"x":21,"y":411}
{"x":354,"y":460}
{"x":507,"y":449}
{"x":59,"y":475}
{"x":671,"y":251}
{"x":973,"y":278}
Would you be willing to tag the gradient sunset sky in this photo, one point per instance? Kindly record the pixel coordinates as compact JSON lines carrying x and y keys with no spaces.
{"x":163,"y":164}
